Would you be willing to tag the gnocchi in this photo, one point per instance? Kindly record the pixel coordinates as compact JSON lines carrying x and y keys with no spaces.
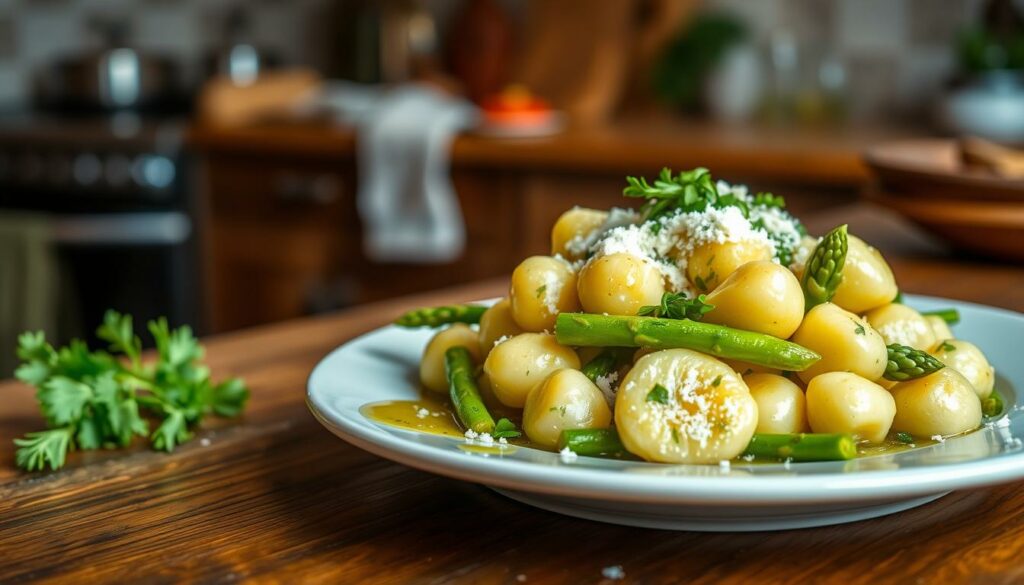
{"x":566,"y":399}
{"x":937,"y":405}
{"x":966,"y":358}
{"x":432,"y":373}
{"x":846,"y":342}
{"x":842,"y":402}
{"x":515,"y":366}
{"x":867,"y":281}
{"x":681,"y":406}
{"x":495,"y":323}
{"x":577,"y":223}
{"x":781,"y":405}
{"x":710,"y":264}
{"x":542,"y":287}
{"x":759,"y":296}
{"x":939,"y":327}
{"x":898,"y":323}
{"x":619,"y":284}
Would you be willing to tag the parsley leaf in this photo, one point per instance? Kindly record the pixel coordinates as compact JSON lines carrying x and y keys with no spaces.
{"x":947,"y":347}
{"x":62,"y":400}
{"x":859,"y":328}
{"x":770,"y":200}
{"x":505,"y":429}
{"x":95,"y":399}
{"x":658,"y":394}
{"x":905,"y":438}
{"x":677,"y":306}
{"x":37,"y":450}
{"x":688,"y":191}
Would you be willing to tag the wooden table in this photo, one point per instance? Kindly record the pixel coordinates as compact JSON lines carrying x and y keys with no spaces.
{"x":276,"y":498}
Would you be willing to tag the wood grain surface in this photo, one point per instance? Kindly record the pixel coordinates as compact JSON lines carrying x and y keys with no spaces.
{"x":275,"y":498}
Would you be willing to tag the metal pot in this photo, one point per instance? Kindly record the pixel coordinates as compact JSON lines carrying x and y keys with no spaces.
{"x":116,"y":77}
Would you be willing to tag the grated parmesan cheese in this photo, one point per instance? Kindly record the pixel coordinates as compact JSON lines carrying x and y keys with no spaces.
{"x":567,"y":455}
{"x":938,"y":438}
{"x":801,"y":255}
{"x":501,"y":340}
{"x":902,"y":331}
{"x":617,"y":217}
{"x":724,"y":465}
{"x":607,"y":386}
{"x":669,"y":245}
{"x":422,"y":413}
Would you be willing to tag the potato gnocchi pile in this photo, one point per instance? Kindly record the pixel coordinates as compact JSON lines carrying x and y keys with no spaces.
{"x":701,"y":326}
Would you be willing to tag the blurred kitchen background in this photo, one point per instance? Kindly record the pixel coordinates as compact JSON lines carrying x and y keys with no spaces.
{"x":230,"y":163}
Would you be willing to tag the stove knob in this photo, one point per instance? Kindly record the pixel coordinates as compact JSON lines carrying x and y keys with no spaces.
{"x":87,"y":169}
{"x":153,"y":171}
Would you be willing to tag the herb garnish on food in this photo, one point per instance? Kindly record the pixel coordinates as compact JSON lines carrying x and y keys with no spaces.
{"x":678,"y":306}
{"x":94,"y":399}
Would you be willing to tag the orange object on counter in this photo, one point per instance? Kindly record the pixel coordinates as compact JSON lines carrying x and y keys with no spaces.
{"x":516,"y":106}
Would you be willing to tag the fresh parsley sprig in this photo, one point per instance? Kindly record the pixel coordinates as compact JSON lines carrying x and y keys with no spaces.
{"x":506,"y":429}
{"x":678,"y":306}
{"x":690,"y":190}
{"x":95,"y":399}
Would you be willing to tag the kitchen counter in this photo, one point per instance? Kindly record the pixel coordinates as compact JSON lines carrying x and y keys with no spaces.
{"x":274,"y":497}
{"x":825,"y":157}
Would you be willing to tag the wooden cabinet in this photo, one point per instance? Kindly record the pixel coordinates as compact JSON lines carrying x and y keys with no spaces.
{"x":276,"y":234}
{"x":282,"y":238}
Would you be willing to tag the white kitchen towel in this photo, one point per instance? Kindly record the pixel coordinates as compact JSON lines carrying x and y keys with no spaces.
{"x":406,"y":199}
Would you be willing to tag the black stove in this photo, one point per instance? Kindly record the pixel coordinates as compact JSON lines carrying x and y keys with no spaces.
{"x":114,"y":190}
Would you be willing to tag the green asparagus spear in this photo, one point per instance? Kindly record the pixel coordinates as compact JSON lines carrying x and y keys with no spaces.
{"x":907,"y":363}
{"x":993,"y":404}
{"x":796,"y":447}
{"x":592,"y":442}
{"x":951,"y":316}
{"x":466,"y":399}
{"x":803,"y":447}
{"x":606,"y":362}
{"x":584,"y":329}
{"x":824,"y":269}
{"x":437,"y":316}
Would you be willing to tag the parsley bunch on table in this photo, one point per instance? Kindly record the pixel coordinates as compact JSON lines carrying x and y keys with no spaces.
{"x":94,"y":399}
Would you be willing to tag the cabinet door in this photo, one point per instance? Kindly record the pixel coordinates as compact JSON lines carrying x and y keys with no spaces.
{"x":277,"y":235}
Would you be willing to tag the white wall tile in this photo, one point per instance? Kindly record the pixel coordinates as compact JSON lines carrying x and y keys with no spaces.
{"x":871,"y":25}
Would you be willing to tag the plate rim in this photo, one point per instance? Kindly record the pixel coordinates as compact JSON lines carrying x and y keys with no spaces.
{"x":568,"y":479}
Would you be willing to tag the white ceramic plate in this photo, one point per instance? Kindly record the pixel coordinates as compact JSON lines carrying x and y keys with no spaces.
{"x":383,"y":365}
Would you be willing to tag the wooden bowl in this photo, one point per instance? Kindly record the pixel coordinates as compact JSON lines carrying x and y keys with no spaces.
{"x":927,"y":182}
